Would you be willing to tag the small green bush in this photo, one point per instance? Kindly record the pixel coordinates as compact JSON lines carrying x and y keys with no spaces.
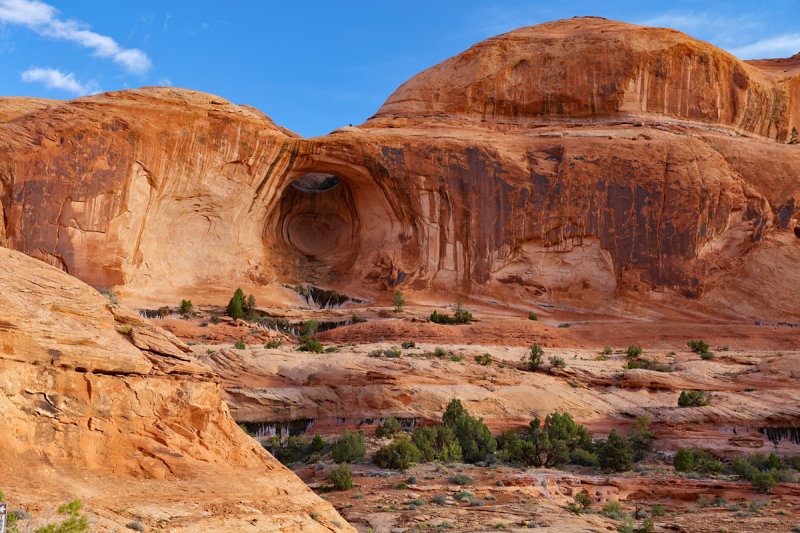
{"x":692,"y":398}
{"x":462,"y":479}
{"x":236,"y":305}
{"x":583,"y":500}
{"x":317,"y":443}
{"x":186,"y":308}
{"x":607,"y":350}
{"x":389,"y":428}
{"x":684,"y":461}
{"x":74,"y":523}
{"x":310,"y":344}
{"x":615,"y":454}
{"x":532,"y":316}
{"x":485,"y":359}
{"x":697,"y":346}
{"x":762,"y":481}
{"x":707,"y":356}
{"x":309,"y":327}
{"x":398,"y":301}
{"x":613,"y":510}
{"x":341,"y":477}
{"x":535,"y":357}
{"x":557,"y":362}
{"x":399,"y":455}
{"x":240,"y":345}
{"x":408,"y":345}
{"x":349,"y":447}
{"x":272,"y":345}
{"x":633,"y":351}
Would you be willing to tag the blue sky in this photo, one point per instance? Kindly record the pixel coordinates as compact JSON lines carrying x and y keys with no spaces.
{"x":314,"y":66}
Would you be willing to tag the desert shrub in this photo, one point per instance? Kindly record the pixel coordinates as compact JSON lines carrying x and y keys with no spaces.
{"x":633,"y":350}
{"x":565,"y":325}
{"x":485,"y":359}
{"x":249,"y":307}
{"x":239,"y":345}
{"x":75,"y":522}
{"x":356,"y":320}
{"x":437,"y":318}
{"x":648,"y":364}
{"x":398,"y":301}
{"x":399,"y":455}
{"x":535,"y":357}
{"x":272,"y":344}
{"x":793,"y":137}
{"x":532,"y":316}
{"x":613,"y":510}
{"x":462,"y":479}
{"x":439,"y":352}
{"x":762,"y":481}
{"x":290,"y":450}
{"x":607,"y":350}
{"x":582,"y":499}
{"x":773,"y":463}
{"x":349,"y":447}
{"x":236,"y":305}
{"x":557,"y":362}
{"x":437,"y":443}
{"x":390,"y":426}
{"x":310,"y":344}
{"x":639,"y":436}
{"x":546,"y":444}
{"x":648,"y":526}
{"x":461,"y":316}
{"x":627,"y":524}
{"x":408,"y":344}
{"x":186,"y":308}
{"x":658,"y":510}
{"x":341,"y":477}
{"x":463,"y":496}
{"x":684,"y":461}
{"x":476,"y":503}
{"x":615,"y":453}
{"x":393,"y":353}
{"x":697,"y":346}
{"x":707,"y":356}
{"x":440,"y":499}
{"x":309,"y":327}
{"x":317,"y":443}
{"x":472,"y":434}
{"x":692,"y":398}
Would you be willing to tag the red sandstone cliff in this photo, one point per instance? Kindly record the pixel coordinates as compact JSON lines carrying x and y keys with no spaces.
{"x":586,"y":162}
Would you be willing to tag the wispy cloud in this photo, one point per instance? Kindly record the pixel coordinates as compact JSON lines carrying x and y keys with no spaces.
{"x":55,"y":79}
{"x":780,"y":46}
{"x":44,"y":19}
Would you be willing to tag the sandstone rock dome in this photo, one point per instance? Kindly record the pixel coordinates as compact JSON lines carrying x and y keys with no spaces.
{"x":593,"y":67}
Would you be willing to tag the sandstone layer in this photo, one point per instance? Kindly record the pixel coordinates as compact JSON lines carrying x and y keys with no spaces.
{"x":98,"y":404}
{"x":584,"y":163}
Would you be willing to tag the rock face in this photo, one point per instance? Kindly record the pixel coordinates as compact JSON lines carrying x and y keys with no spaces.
{"x":81,"y":405}
{"x":593,"y":67}
{"x":583,"y":162}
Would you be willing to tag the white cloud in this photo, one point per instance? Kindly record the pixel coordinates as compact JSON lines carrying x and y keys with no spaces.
{"x":780,"y":46}
{"x":165,"y":82}
{"x":43,"y":19}
{"x":55,"y":79}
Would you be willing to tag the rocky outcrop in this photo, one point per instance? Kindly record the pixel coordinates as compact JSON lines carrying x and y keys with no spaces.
{"x":87,"y":413}
{"x":585,"y":162}
{"x":593,"y":67}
